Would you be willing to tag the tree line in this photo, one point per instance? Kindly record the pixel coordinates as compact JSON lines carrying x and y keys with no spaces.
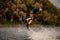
{"x":14,"y":11}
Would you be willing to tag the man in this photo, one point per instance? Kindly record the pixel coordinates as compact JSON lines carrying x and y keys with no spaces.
{"x":34,"y":10}
{"x":29,"y":20}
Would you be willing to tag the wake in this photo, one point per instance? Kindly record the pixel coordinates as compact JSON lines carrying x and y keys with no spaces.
{"x":43,"y":34}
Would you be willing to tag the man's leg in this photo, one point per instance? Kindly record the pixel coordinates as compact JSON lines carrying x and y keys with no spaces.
{"x":30,"y":22}
{"x":28,"y":19}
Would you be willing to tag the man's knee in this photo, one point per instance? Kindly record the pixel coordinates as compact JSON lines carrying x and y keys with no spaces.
{"x":28,"y":19}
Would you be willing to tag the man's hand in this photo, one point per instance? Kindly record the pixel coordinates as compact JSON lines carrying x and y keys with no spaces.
{"x":40,"y":9}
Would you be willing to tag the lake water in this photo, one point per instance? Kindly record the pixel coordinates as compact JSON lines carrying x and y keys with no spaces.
{"x":34,"y":33}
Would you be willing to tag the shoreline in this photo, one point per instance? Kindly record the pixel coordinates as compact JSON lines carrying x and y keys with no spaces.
{"x":22,"y":25}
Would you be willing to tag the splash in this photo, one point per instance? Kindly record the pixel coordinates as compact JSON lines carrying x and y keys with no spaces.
{"x":43,"y":34}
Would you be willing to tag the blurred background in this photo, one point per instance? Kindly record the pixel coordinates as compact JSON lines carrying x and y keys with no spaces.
{"x":15,"y":11}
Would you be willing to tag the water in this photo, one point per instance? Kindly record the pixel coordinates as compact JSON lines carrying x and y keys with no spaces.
{"x":34,"y":33}
{"x":43,"y":34}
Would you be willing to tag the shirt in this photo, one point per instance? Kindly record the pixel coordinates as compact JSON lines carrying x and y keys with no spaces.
{"x":35,"y":10}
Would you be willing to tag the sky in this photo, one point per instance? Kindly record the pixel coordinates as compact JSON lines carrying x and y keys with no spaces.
{"x":56,"y":3}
